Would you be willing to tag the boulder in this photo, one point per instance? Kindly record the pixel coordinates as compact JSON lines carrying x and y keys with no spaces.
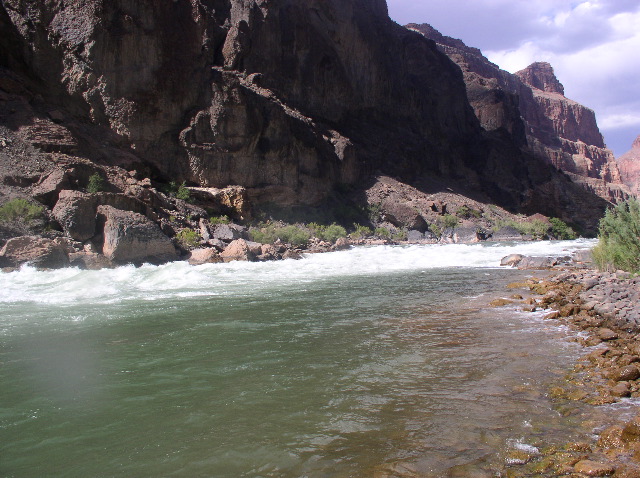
{"x":89,"y":261}
{"x":238,"y":250}
{"x":130,"y":237}
{"x":50,"y":186}
{"x":511,"y":260}
{"x":208,"y":255}
{"x":38,"y":251}
{"x":537,"y":262}
{"x":76,"y":213}
{"x":415,"y":236}
{"x":225,"y":232}
{"x":342,"y":244}
{"x":465,"y":235}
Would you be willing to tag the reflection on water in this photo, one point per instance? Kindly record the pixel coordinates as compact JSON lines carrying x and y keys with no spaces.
{"x":332,"y":373}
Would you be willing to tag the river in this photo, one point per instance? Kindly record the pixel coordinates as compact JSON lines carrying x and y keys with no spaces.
{"x":336,"y":365}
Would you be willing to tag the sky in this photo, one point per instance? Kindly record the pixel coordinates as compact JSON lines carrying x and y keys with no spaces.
{"x":593,"y":46}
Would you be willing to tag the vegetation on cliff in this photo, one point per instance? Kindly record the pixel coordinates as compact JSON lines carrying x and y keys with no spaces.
{"x":619,"y":246}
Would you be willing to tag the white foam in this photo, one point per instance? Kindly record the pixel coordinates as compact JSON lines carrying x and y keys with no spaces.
{"x":179,"y":279}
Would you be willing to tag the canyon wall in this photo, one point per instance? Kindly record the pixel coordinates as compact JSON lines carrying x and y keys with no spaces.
{"x":289,"y":99}
{"x":531,"y":105}
{"x":629,"y":164}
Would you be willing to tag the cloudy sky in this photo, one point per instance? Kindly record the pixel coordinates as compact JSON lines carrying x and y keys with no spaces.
{"x":594,"y":47}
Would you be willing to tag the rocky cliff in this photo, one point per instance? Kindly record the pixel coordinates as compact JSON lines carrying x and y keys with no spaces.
{"x":531,"y":105}
{"x":629,"y":164}
{"x":297,"y":102}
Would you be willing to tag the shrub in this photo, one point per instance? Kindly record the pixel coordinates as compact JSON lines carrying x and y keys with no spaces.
{"x":332,"y":233}
{"x":448,"y":221}
{"x":219,"y":220}
{"x":290,"y":234}
{"x":560,"y":229}
{"x":400,"y":235}
{"x":619,"y":235}
{"x":360,"y":232}
{"x":536,"y":228}
{"x":188,"y":238}
{"x":178,"y":191}
{"x":20,"y":210}
{"x":374,"y":212}
{"x":383,"y":232}
{"x":465,"y":212}
{"x":435,"y":230}
{"x":96,"y":183}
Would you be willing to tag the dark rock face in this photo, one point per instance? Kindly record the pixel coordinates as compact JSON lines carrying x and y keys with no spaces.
{"x":629,"y":164}
{"x":531,"y":106}
{"x":287,"y":99}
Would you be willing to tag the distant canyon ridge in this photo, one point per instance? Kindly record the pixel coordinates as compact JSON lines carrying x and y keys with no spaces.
{"x":307,"y":106}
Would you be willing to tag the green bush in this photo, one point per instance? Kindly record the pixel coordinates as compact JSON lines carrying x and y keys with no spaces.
{"x":382,"y":232}
{"x":289,"y":234}
{"x":465,"y":212}
{"x":178,"y":191}
{"x":20,"y":211}
{"x":214,"y":220}
{"x":188,"y":238}
{"x":560,"y":229}
{"x":536,"y":228}
{"x":360,"y":232}
{"x":435,"y":230}
{"x":96,"y":183}
{"x":374,"y":212}
{"x":619,"y":238}
{"x":448,"y":221}
{"x":400,"y":235}
{"x":332,"y":233}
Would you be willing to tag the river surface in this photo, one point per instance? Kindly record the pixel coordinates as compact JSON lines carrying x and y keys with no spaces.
{"x":337,"y":365}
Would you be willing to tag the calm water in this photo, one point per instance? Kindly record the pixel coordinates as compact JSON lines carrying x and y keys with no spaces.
{"x":333,"y":366}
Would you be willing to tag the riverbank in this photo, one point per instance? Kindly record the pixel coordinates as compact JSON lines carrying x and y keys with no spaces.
{"x":603,"y":310}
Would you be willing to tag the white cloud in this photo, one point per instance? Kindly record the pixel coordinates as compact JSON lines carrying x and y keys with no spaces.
{"x":593,"y":46}
{"x":619,"y":121}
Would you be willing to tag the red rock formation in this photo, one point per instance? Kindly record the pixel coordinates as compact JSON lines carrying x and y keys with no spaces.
{"x":532,"y":107}
{"x":291,"y":100}
{"x":540,"y":75}
{"x":629,"y":164}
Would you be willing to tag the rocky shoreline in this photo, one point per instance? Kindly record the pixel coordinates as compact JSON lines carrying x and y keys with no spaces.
{"x":603,"y":310}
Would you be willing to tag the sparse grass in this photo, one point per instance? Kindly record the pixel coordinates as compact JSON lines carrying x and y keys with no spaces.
{"x":619,"y":235}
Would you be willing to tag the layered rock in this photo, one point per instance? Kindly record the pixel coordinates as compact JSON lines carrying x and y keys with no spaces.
{"x":629,"y":164}
{"x":531,"y":106}
{"x":292,"y":101}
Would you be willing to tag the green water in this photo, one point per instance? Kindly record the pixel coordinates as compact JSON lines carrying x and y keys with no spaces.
{"x":332,"y":377}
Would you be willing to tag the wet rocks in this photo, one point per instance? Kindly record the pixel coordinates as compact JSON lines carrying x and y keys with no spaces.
{"x":594,"y":468}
